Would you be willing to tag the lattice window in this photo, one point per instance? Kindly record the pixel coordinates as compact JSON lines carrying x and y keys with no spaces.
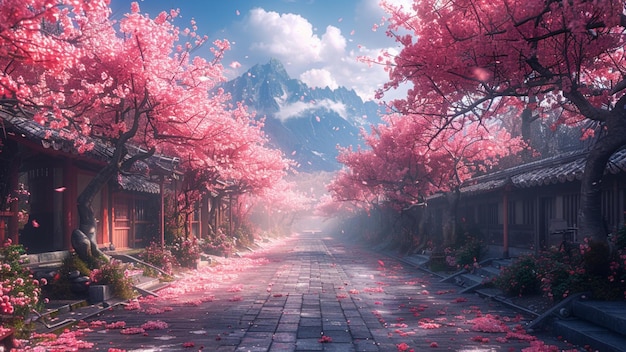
{"x":609,"y":209}
{"x":488,"y":214}
{"x":528,"y":212}
{"x":571,"y":204}
{"x":511,"y":213}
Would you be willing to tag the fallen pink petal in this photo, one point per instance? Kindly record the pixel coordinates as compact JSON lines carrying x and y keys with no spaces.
{"x":132,"y":331}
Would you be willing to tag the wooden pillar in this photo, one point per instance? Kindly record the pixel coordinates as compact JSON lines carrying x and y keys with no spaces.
{"x":107,"y":219}
{"x":230,"y":214}
{"x":162,"y":212}
{"x":505,"y":223}
{"x":13,"y":225}
{"x":3,"y":226}
{"x":70,"y":194}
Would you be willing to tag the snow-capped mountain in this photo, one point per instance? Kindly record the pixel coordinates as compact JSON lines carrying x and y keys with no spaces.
{"x":306,"y":123}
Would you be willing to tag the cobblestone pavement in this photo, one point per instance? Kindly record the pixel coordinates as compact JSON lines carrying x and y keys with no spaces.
{"x":310,"y":292}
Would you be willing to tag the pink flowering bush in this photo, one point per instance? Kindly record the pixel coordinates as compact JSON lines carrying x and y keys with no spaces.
{"x":467,"y":254}
{"x":186,"y":251}
{"x":20,"y":197}
{"x":218,"y":243}
{"x":560,"y":272}
{"x":116,"y":274}
{"x":19,"y":291}
{"x":523,"y":277}
{"x":161,"y":258}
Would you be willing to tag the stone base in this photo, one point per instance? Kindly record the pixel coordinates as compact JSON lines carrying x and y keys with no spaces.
{"x":100,"y":293}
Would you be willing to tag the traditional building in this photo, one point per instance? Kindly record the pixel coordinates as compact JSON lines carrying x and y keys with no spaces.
{"x":532,"y":206}
{"x":44,"y":165}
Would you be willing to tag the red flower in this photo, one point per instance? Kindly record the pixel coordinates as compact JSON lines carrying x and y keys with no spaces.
{"x":325,"y":339}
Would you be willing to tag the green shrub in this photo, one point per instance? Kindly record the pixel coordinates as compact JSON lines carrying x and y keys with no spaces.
{"x":116,"y":274}
{"x":159,"y":257}
{"x":470,"y":252}
{"x":559,"y":273}
{"x":521,"y":278}
{"x":60,"y":287}
{"x":218,"y":243}
{"x":186,"y":251}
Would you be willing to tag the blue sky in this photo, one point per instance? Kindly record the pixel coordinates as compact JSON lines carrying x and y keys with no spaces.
{"x":318,"y":41}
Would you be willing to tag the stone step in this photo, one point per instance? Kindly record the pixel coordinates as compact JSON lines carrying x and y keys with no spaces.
{"x":416,"y":259}
{"x":467,"y":280}
{"x":57,"y":314}
{"x":489,"y":271}
{"x":146,"y":285}
{"x":501,"y":263}
{"x":610,"y":315}
{"x":583,"y":333}
{"x":59,"y":307}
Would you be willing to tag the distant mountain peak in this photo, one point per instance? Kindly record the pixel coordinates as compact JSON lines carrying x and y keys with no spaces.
{"x":274,"y":68}
{"x":306,"y":123}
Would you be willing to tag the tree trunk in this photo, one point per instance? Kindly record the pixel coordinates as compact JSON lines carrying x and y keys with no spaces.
{"x":591,"y":223}
{"x":527,"y":120}
{"x":84,"y":238}
{"x":449,"y":218}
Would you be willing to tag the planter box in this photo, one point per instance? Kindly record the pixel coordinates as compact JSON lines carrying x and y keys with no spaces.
{"x":100,"y":293}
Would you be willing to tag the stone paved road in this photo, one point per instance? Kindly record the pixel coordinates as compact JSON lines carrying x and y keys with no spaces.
{"x":309,"y":293}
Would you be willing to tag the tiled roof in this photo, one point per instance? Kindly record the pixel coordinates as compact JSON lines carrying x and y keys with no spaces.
{"x":137,"y":184}
{"x":50,"y":138}
{"x":566,"y":167}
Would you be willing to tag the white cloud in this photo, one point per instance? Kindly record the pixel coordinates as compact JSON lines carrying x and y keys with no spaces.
{"x":288,"y":37}
{"x":337,"y":107}
{"x":333,"y":44}
{"x":319,"y":78}
{"x":319,"y":58}
{"x":295,"y":110}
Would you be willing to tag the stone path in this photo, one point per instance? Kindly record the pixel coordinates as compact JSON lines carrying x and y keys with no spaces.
{"x":308,"y":293}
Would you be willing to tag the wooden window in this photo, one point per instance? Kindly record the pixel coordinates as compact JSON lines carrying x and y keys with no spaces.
{"x":488,"y":214}
{"x":511,"y":213}
{"x":528,"y":212}
{"x":609,"y":209}
{"x":571,"y":204}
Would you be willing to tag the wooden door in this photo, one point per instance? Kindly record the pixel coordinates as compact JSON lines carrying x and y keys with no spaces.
{"x":121,"y":222}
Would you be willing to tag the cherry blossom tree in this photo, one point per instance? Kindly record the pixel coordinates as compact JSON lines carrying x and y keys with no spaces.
{"x":476,"y":57}
{"x":282,"y":204}
{"x":411,"y":157}
{"x":132,"y":84}
{"x":235,"y":161}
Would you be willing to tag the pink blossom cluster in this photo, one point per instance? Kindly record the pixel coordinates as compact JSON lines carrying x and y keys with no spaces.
{"x":132,"y":331}
{"x":5,"y":305}
{"x":488,"y":323}
{"x":67,"y":341}
{"x":155,"y":325}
